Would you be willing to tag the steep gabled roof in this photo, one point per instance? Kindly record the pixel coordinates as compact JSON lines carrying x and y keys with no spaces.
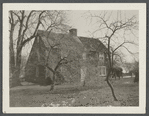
{"x":50,"y":38}
{"x":93,"y":44}
{"x":66,"y":42}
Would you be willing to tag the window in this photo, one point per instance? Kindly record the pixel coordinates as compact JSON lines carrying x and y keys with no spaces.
{"x":102,"y":71}
{"x":101,"y":57}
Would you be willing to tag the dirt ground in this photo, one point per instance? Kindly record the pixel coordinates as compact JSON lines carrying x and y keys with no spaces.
{"x":95,"y":93}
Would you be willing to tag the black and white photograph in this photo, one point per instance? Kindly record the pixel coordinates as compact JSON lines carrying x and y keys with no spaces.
{"x":74,"y":58}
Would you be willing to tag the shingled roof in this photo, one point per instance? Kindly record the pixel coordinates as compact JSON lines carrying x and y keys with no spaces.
{"x":91,"y":44}
{"x":66,"y":42}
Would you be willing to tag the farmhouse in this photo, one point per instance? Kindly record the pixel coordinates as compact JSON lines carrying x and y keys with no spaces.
{"x":81,"y":52}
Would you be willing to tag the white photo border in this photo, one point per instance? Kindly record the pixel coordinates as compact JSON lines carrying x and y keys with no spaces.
{"x":76,"y":6}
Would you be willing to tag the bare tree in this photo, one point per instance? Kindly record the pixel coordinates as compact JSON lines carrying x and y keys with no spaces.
{"x":68,"y":50}
{"x":27,"y":24}
{"x":113,"y":32}
{"x":54,"y":71}
{"x":60,"y":62}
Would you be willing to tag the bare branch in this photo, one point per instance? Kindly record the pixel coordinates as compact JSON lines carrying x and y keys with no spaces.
{"x":34,"y":34}
{"x":118,"y":47}
{"x":27,"y":21}
{"x":129,"y":50}
{"x":16,"y":15}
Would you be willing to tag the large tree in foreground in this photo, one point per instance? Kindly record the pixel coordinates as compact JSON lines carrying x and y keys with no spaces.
{"x":23,"y":28}
{"x":114,"y":31}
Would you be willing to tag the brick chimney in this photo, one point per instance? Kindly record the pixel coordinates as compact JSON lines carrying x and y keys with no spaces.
{"x":73,"y":32}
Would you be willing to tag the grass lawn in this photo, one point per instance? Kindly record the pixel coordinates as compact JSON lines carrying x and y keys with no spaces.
{"x":96,"y":93}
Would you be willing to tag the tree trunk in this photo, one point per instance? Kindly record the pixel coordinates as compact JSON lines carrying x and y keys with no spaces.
{"x":111,"y":87}
{"x":16,"y":75}
{"x":11,"y":53}
{"x":53,"y":82}
{"x":83,"y":75}
{"x":13,"y":69}
{"x":83,"y":69}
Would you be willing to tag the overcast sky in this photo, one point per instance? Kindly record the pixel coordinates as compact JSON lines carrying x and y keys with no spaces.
{"x":77,"y":19}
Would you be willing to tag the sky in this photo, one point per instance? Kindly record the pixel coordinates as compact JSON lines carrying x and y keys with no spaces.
{"x":85,"y":26}
{"x":78,"y":20}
